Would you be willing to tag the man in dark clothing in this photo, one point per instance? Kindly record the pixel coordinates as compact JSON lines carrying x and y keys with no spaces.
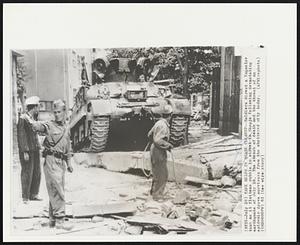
{"x":29,"y":152}
{"x":159,"y":135}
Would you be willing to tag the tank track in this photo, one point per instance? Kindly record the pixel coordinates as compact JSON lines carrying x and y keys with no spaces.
{"x":179,"y":130}
{"x":99,"y":134}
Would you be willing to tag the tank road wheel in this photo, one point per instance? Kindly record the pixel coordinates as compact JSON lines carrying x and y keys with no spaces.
{"x":179,"y":130}
{"x":99,"y":134}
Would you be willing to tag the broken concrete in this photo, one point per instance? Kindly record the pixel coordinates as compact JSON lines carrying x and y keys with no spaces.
{"x":203,"y":221}
{"x":238,"y":178}
{"x":97,"y":219}
{"x":228,"y":181}
{"x":184,"y":218}
{"x":207,"y":203}
{"x":181,"y":197}
{"x":223,"y":204}
{"x":178,"y":212}
{"x":124,"y":161}
{"x":238,"y":208}
{"x":87,"y":159}
{"x":167,"y":208}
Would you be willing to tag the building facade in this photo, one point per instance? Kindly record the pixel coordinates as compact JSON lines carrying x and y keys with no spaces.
{"x":55,"y":74}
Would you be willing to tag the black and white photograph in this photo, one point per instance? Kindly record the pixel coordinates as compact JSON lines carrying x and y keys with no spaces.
{"x":135,"y":140}
{"x":127,"y":141}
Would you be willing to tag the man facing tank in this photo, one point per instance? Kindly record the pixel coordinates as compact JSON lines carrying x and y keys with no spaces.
{"x":159,"y":136}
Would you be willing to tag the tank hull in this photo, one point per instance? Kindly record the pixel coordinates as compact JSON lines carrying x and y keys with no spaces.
{"x":127,"y":123}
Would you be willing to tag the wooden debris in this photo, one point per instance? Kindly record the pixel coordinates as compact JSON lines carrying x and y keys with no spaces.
{"x":220,"y":151}
{"x":232,"y":196}
{"x":97,"y":209}
{"x":150,"y":220}
{"x":133,"y":230}
{"x":142,"y":198}
{"x":77,"y":230}
{"x":202,"y":181}
{"x":203,"y":199}
{"x":226,"y":145}
{"x":201,"y":143}
{"x":203,"y":221}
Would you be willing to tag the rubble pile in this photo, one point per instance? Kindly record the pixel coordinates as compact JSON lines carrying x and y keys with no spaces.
{"x":222,"y":156}
{"x":209,"y":206}
{"x":197,"y":200}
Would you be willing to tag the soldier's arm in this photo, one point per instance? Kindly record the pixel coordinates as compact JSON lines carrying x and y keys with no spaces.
{"x":22,"y":135}
{"x":150,"y":134}
{"x":160,"y":137}
{"x":69,"y":152}
{"x":39,"y":126}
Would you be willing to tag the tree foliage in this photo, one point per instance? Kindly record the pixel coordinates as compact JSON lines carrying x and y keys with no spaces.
{"x":21,"y":72}
{"x":191,"y":64}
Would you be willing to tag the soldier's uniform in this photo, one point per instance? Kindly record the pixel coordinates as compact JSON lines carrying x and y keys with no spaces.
{"x":57,"y":157}
{"x":159,"y":135}
{"x":28,"y":142}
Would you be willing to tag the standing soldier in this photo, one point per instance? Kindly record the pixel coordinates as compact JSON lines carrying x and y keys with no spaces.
{"x":29,"y":151}
{"x":57,"y":160}
{"x":159,"y":135}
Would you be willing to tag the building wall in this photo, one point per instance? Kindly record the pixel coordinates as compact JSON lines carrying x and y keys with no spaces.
{"x":30,"y":78}
{"x":45,"y":74}
{"x":226,"y":109}
{"x":14,"y":115}
{"x":74,"y":70}
{"x":55,"y":73}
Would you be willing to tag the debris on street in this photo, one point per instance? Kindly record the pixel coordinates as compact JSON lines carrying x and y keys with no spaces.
{"x":108,"y":193}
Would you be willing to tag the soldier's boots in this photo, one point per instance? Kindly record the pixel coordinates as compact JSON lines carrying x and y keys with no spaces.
{"x":61,"y":224}
{"x":25,"y":201}
{"x":35,"y":198}
{"x":52,"y":223}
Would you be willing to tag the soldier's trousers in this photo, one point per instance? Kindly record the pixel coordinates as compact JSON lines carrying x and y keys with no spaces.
{"x":54,"y":170}
{"x":159,"y":171}
{"x":30,"y":174}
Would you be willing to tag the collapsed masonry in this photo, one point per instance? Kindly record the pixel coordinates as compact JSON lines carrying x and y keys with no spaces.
{"x":211,"y":159}
{"x":203,"y":195}
{"x":213,"y":164}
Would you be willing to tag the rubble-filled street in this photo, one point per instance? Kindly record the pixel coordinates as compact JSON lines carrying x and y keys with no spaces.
{"x":108,"y":193}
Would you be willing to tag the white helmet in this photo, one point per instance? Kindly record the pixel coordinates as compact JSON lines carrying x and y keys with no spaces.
{"x":33,"y":100}
{"x":168,"y":110}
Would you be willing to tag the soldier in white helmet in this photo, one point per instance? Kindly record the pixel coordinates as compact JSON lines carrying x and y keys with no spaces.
{"x":159,"y":136}
{"x":29,"y":151}
{"x":57,"y":161}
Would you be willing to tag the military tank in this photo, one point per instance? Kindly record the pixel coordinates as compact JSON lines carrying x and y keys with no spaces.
{"x":122,"y":104}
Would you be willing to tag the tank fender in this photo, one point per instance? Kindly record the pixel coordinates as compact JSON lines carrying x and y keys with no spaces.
{"x":180,"y":106}
{"x":77,"y":116}
{"x":101,"y":107}
{"x":159,"y":109}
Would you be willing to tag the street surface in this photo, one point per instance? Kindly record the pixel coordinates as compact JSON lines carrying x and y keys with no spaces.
{"x":93,"y":185}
